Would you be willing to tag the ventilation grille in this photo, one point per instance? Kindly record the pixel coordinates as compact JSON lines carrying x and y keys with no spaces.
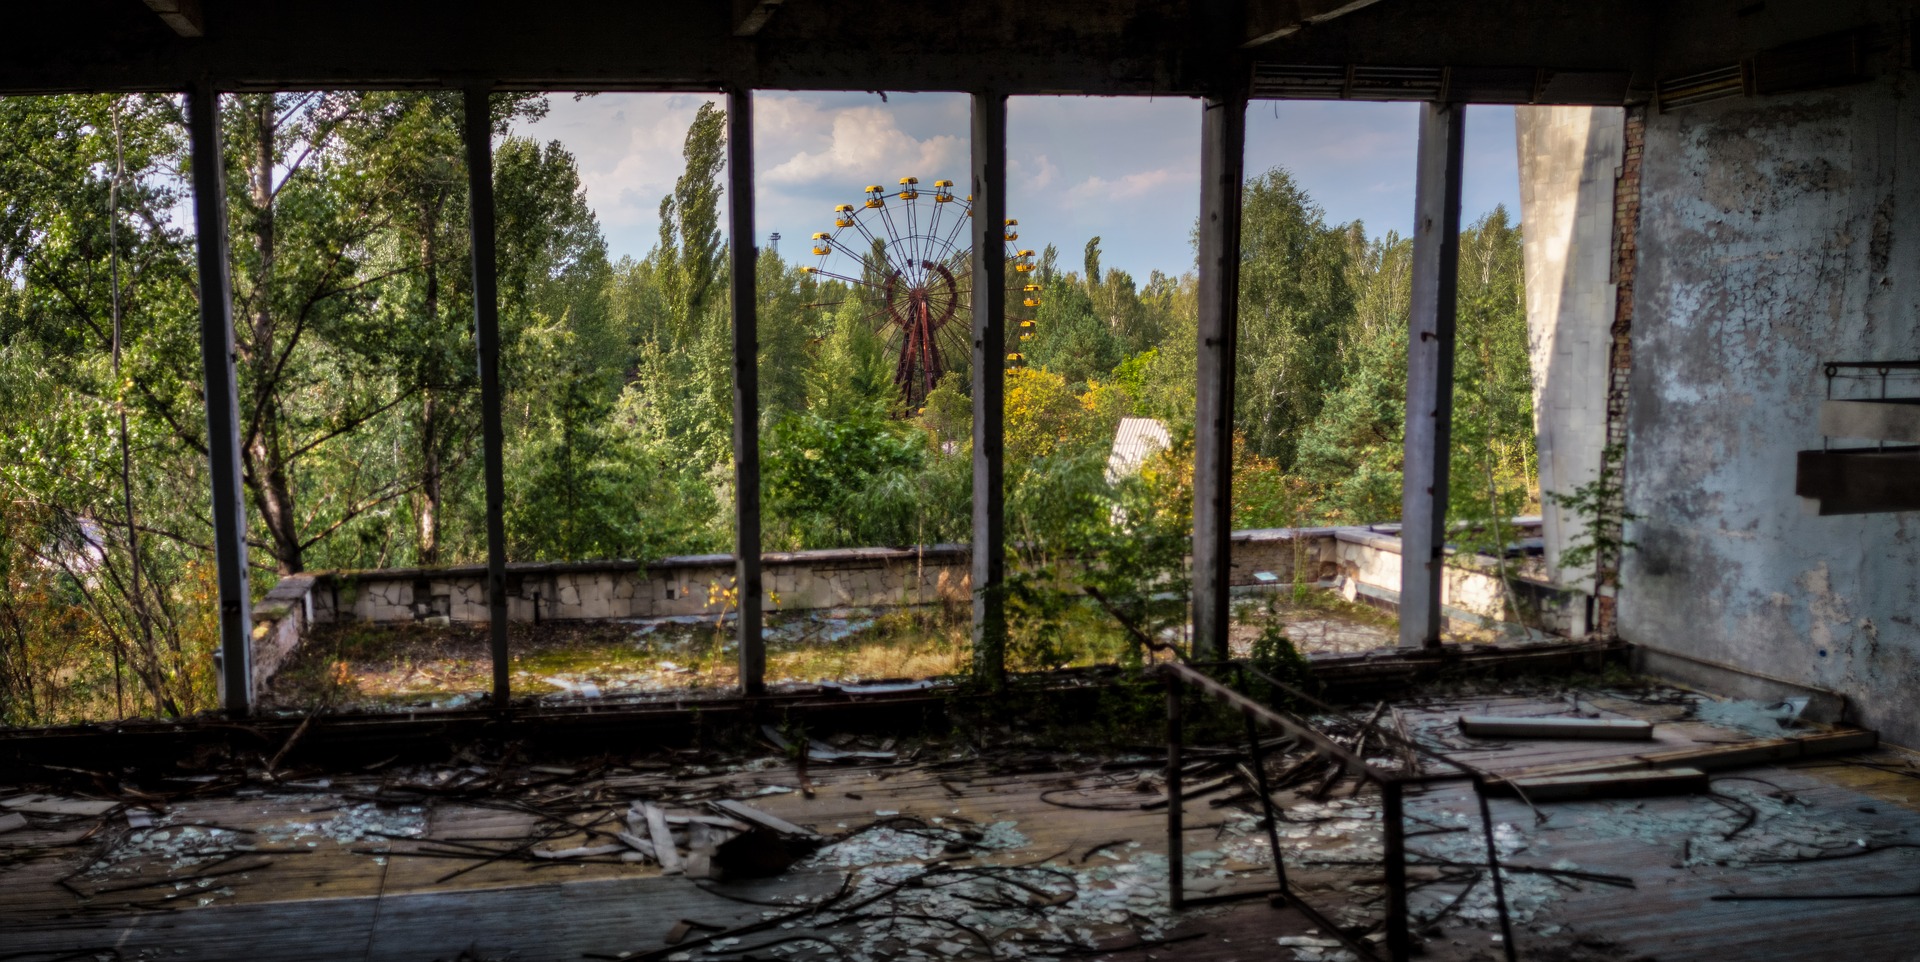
{"x":1702,"y":87}
{"x":1480,"y":85}
{"x":1352,"y":82}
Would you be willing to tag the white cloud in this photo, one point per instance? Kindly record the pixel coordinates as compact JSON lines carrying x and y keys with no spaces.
{"x":1125,"y":187}
{"x":1038,"y":175}
{"x":1125,"y":169}
{"x":854,"y":146}
{"x":628,"y":150}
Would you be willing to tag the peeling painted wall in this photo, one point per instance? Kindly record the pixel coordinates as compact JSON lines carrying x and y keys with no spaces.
{"x":1775,"y":234}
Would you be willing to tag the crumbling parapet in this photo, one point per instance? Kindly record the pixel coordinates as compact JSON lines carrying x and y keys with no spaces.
{"x":280,"y":620}
{"x":1363,"y":563}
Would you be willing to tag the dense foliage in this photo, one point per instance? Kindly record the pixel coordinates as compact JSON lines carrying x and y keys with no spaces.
{"x":359,"y":401}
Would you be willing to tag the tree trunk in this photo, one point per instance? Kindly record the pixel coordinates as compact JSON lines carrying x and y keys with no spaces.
{"x":429,"y":518}
{"x":266,"y":472}
{"x":273,"y":493}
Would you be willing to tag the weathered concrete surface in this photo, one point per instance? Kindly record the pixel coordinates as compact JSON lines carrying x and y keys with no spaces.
{"x":1364,"y":563}
{"x":1775,"y":234}
{"x":1569,"y":157}
{"x":1896,"y":419}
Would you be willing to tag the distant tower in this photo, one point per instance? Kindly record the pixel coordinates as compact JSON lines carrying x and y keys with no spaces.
{"x":773,"y":242}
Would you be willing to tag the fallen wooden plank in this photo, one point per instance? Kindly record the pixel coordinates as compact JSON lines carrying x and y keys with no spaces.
{"x":11,"y":822}
{"x":588,"y":851}
{"x":758,"y":817}
{"x":821,"y":751}
{"x":1711,"y":758}
{"x":663,"y":840}
{"x":639,"y":845}
{"x":718,"y":821}
{"x":1635,"y":784}
{"x":1603,"y":729}
{"x":50,"y":805}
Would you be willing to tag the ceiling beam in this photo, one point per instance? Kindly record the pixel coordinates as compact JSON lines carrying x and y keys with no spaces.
{"x":1269,"y":20}
{"x":182,"y":15}
{"x":756,"y":16}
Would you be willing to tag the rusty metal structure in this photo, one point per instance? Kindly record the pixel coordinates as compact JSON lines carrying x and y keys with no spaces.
{"x":912,"y":279}
{"x":1392,"y":785}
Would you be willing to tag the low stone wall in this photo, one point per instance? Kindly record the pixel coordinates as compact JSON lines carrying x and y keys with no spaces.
{"x":685,"y":585}
{"x":280,"y":620}
{"x":1471,"y":592}
{"x":1362,"y":562}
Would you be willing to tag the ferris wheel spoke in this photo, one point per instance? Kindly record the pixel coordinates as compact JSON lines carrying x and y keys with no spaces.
{"x":943,"y":248}
{"x":864,"y":232}
{"x":893,"y":232}
{"x":881,"y":318}
{"x":913,"y":243}
{"x":933,"y":231}
{"x":911,"y":284}
{"x":953,"y":233}
{"x":851,"y":280}
{"x":834,"y":243}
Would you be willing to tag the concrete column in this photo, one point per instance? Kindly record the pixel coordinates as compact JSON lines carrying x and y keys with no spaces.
{"x":486,"y":338}
{"x":746,"y":392}
{"x":1569,"y":160}
{"x":989,"y":385}
{"x":1430,"y":329}
{"x":223,"y":399}
{"x":1223,"y":137}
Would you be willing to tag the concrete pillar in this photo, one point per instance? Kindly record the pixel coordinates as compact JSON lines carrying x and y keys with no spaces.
{"x":746,"y":392}
{"x":989,"y":385}
{"x":486,"y":338}
{"x":223,"y":399}
{"x":1569,"y":160}
{"x":1223,"y":137}
{"x":1430,"y":330}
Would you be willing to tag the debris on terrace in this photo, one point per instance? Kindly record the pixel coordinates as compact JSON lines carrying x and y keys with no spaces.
{"x":433,"y":665}
{"x":985,"y":844}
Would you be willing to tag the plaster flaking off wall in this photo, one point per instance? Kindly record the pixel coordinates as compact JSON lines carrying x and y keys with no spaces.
{"x":1775,"y":234}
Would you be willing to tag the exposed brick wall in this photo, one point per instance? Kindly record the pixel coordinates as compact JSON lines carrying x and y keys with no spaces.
{"x":1626,"y":223}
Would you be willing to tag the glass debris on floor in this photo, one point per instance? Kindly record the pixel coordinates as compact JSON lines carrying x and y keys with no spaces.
{"x":890,"y":846}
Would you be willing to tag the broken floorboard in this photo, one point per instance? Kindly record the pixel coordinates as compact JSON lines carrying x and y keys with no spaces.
{"x":1590,"y":729}
{"x":682,"y":719}
{"x":341,"y":901}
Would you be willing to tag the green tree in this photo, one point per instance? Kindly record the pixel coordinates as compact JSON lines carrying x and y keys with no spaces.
{"x":1494,"y":466}
{"x":102,"y":487}
{"x":1350,"y":455}
{"x":1294,"y":304}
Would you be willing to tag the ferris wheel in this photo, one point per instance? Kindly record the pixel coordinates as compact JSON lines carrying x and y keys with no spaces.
{"x":907,"y":259}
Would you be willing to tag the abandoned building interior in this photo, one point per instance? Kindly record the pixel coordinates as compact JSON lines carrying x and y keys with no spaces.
{"x":1694,"y":743}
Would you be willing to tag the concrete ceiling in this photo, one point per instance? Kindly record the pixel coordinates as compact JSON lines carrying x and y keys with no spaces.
{"x":1595,"y":51}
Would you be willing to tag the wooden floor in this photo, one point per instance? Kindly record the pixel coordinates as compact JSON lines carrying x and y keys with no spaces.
{"x":1845,"y":829}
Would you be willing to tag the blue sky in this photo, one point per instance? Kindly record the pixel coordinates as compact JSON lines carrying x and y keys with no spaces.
{"x":1125,"y":169}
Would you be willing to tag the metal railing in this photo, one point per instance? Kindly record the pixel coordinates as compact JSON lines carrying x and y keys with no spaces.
{"x":1393,"y":785}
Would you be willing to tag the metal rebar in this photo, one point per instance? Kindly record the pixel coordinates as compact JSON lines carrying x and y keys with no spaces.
{"x":1493,"y":868}
{"x":1258,"y":761}
{"x":1394,"y":836}
{"x":1176,"y":854}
